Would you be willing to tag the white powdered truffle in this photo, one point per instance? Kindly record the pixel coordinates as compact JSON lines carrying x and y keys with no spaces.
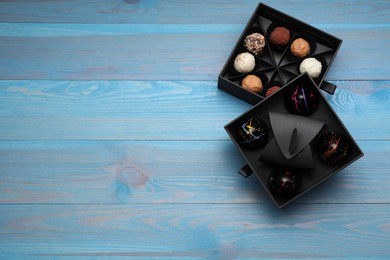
{"x":312,"y":66}
{"x":244,"y":62}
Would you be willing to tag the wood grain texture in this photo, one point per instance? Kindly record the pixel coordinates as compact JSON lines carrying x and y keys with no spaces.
{"x":165,"y":172}
{"x":188,"y":12}
{"x":112,"y":143}
{"x":195,"y":231}
{"x":178,"y":54}
{"x":159,"y":110}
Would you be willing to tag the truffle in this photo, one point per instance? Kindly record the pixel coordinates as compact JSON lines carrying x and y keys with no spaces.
{"x":300,"y":48}
{"x":255,"y":43}
{"x":333,"y":148}
{"x":312,"y":66}
{"x":271,"y":91}
{"x":280,"y":36}
{"x":252,"y":83}
{"x":244,"y":62}
{"x":284,"y":182}
{"x":253,"y":133}
{"x":301,"y":100}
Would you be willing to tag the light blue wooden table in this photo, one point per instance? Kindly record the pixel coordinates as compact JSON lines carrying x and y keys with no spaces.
{"x":112,"y":142}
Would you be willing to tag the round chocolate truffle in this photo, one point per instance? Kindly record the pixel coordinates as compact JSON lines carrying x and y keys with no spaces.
{"x":333,"y":148}
{"x":271,"y":91}
{"x":300,"y":48}
{"x":244,"y":62}
{"x":312,"y":66}
{"x":280,"y":36}
{"x":301,"y":100}
{"x":255,"y":43}
{"x":284,"y":182}
{"x":252,"y":133}
{"x":252,"y":83}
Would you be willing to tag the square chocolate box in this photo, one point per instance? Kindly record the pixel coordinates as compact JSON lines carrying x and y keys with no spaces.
{"x":275,"y":63}
{"x":293,"y":140}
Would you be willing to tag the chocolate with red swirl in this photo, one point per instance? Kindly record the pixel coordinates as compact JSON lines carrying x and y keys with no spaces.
{"x":333,"y":148}
{"x":301,"y":100}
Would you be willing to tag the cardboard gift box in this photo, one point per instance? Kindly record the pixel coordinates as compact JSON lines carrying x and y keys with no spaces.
{"x":293,"y":140}
{"x":276,"y":64}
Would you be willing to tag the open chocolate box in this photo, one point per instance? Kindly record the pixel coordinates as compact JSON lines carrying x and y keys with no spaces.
{"x":293,"y":140}
{"x":276,"y":65}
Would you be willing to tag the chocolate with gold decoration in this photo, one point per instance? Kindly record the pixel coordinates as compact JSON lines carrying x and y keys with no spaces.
{"x":252,"y":133}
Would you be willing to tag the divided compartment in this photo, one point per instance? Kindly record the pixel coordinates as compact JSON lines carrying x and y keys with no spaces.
{"x":277,"y":59}
{"x":263,"y":60}
{"x":276,"y":104}
{"x":264,"y":76}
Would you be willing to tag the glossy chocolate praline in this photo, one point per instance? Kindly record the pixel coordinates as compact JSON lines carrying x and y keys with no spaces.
{"x":252,"y":133}
{"x":284,"y":182}
{"x":301,"y":100}
{"x":333,"y":148}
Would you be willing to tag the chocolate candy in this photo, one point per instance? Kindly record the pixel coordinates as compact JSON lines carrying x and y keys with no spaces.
{"x":280,"y":36}
{"x":255,"y":43}
{"x":301,"y":100}
{"x":252,"y":133}
{"x":300,"y":48}
{"x":252,"y":83}
{"x":284,"y":182}
{"x":271,"y":91}
{"x":333,"y":148}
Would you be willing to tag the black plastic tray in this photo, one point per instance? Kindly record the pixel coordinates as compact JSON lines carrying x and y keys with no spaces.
{"x":275,"y":103}
{"x":277,"y":64}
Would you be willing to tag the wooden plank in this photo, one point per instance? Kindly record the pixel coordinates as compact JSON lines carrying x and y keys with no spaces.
{"x":195,"y":231}
{"x":159,"y":110}
{"x":165,"y":172}
{"x":187,"y":12}
{"x":181,"y":53}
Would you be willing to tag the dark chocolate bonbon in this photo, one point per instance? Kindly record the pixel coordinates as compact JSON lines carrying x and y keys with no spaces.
{"x":284,"y":182}
{"x":333,"y":148}
{"x":253,"y":133}
{"x":301,"y":100}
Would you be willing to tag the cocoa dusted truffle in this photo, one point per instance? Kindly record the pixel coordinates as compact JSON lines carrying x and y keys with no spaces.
{"x":280,"y":36}
{"x":255,"y":43}
{"x":252,"y":83}
{"x":252,"y":133}
{"x":244,"y":62}
{"x":300,"y":48}
{"x":271,"y":91}
{"x":333,"y":148}
{"x":312,"y":66}
{"x":301,"y":100}
{"x":284,"y":182}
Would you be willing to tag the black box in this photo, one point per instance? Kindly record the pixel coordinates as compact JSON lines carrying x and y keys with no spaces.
{"x":277,"y":64}
{"x":300,"y":135}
